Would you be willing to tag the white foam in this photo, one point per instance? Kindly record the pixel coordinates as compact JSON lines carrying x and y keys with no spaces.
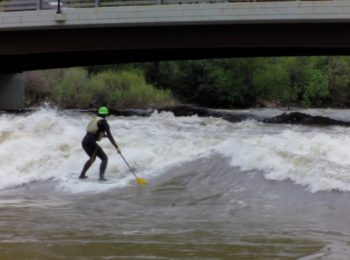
{"x":47,"y":144}
{"x":305,"y":155}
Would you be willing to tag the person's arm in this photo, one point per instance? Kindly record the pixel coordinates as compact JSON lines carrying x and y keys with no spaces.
{"x":104,"y":126}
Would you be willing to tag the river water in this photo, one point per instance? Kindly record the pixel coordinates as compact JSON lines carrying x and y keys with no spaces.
{"x":217,"y":190}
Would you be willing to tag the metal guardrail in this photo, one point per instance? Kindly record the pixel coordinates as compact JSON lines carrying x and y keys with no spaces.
{"x":30,"y":5}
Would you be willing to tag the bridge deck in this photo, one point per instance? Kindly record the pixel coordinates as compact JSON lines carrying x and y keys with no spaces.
{"x":84,"y":36}
{"x":202,"y":13}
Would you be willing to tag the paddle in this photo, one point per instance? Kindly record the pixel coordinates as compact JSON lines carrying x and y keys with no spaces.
{"x":140,"y":181}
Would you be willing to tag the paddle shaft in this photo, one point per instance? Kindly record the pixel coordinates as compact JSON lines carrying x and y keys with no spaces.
{"x":128,"y":165}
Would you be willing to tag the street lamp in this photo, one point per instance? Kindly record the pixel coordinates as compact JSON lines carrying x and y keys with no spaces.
{"x":58,"y":7}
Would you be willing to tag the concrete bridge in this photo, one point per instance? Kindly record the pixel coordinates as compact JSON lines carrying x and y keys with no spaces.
{"x":48,"y":34}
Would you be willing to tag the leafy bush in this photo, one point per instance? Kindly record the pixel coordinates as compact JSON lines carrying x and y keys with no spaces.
{"x":70,"y":92}
{"x":73,"y":88}
{"x":40,"y":85}
{"x":126,"y":89}
{"x":221,"y":83}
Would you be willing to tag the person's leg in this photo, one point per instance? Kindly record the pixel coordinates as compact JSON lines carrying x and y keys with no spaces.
{"x":104,"y":160}
{"x":90,"y":148}
{"x":86,"y":167}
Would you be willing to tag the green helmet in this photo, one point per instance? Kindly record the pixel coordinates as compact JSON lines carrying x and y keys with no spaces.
{"x":103,"y":111}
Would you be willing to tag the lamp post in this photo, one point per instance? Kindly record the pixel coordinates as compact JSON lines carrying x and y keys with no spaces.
{"x":39,"y":5}
{"x":58,"y":7}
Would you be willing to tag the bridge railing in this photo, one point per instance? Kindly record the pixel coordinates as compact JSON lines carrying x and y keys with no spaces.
{"x":101,"y":3}
{"x":29,"y":5}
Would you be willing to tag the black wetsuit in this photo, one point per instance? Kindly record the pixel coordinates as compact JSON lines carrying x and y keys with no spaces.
{"x":91,"y":147}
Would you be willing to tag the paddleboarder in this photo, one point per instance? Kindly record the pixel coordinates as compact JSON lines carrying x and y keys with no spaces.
{"x":97,"y":128}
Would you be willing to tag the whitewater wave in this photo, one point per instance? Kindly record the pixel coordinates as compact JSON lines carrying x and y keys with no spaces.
{"x":46,"y":144}
{"x":318,"y":160}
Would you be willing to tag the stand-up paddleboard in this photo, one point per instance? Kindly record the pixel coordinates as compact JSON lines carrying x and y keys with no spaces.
{"x":73,"y":184}
{"x":74,"y":178}
{"x":96,"y":180}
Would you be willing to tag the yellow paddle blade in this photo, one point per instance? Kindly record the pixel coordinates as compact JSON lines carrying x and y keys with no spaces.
{"x":141,"y":181}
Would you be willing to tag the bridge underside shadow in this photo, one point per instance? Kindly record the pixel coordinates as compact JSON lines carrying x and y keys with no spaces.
{"x":55,"y":48}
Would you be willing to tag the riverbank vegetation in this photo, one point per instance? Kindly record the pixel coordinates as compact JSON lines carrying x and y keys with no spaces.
{"x":218,"y":83}
{"x":77,"y":88}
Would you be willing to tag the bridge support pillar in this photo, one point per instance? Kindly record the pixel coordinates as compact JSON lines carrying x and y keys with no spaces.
{"x":12,"y":90}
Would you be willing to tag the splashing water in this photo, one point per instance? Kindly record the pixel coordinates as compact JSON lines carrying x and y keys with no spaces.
{"x":217,"y":190}
{"x":46,"y":144}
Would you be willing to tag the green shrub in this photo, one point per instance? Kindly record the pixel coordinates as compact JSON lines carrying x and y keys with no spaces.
{"x":40,"y":86}
{"x":74,"y":88}
{"x":70,"y":92}
{"x":126,"y":89}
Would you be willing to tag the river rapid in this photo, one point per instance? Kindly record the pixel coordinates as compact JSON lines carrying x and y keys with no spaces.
{"x":217,"y":190}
